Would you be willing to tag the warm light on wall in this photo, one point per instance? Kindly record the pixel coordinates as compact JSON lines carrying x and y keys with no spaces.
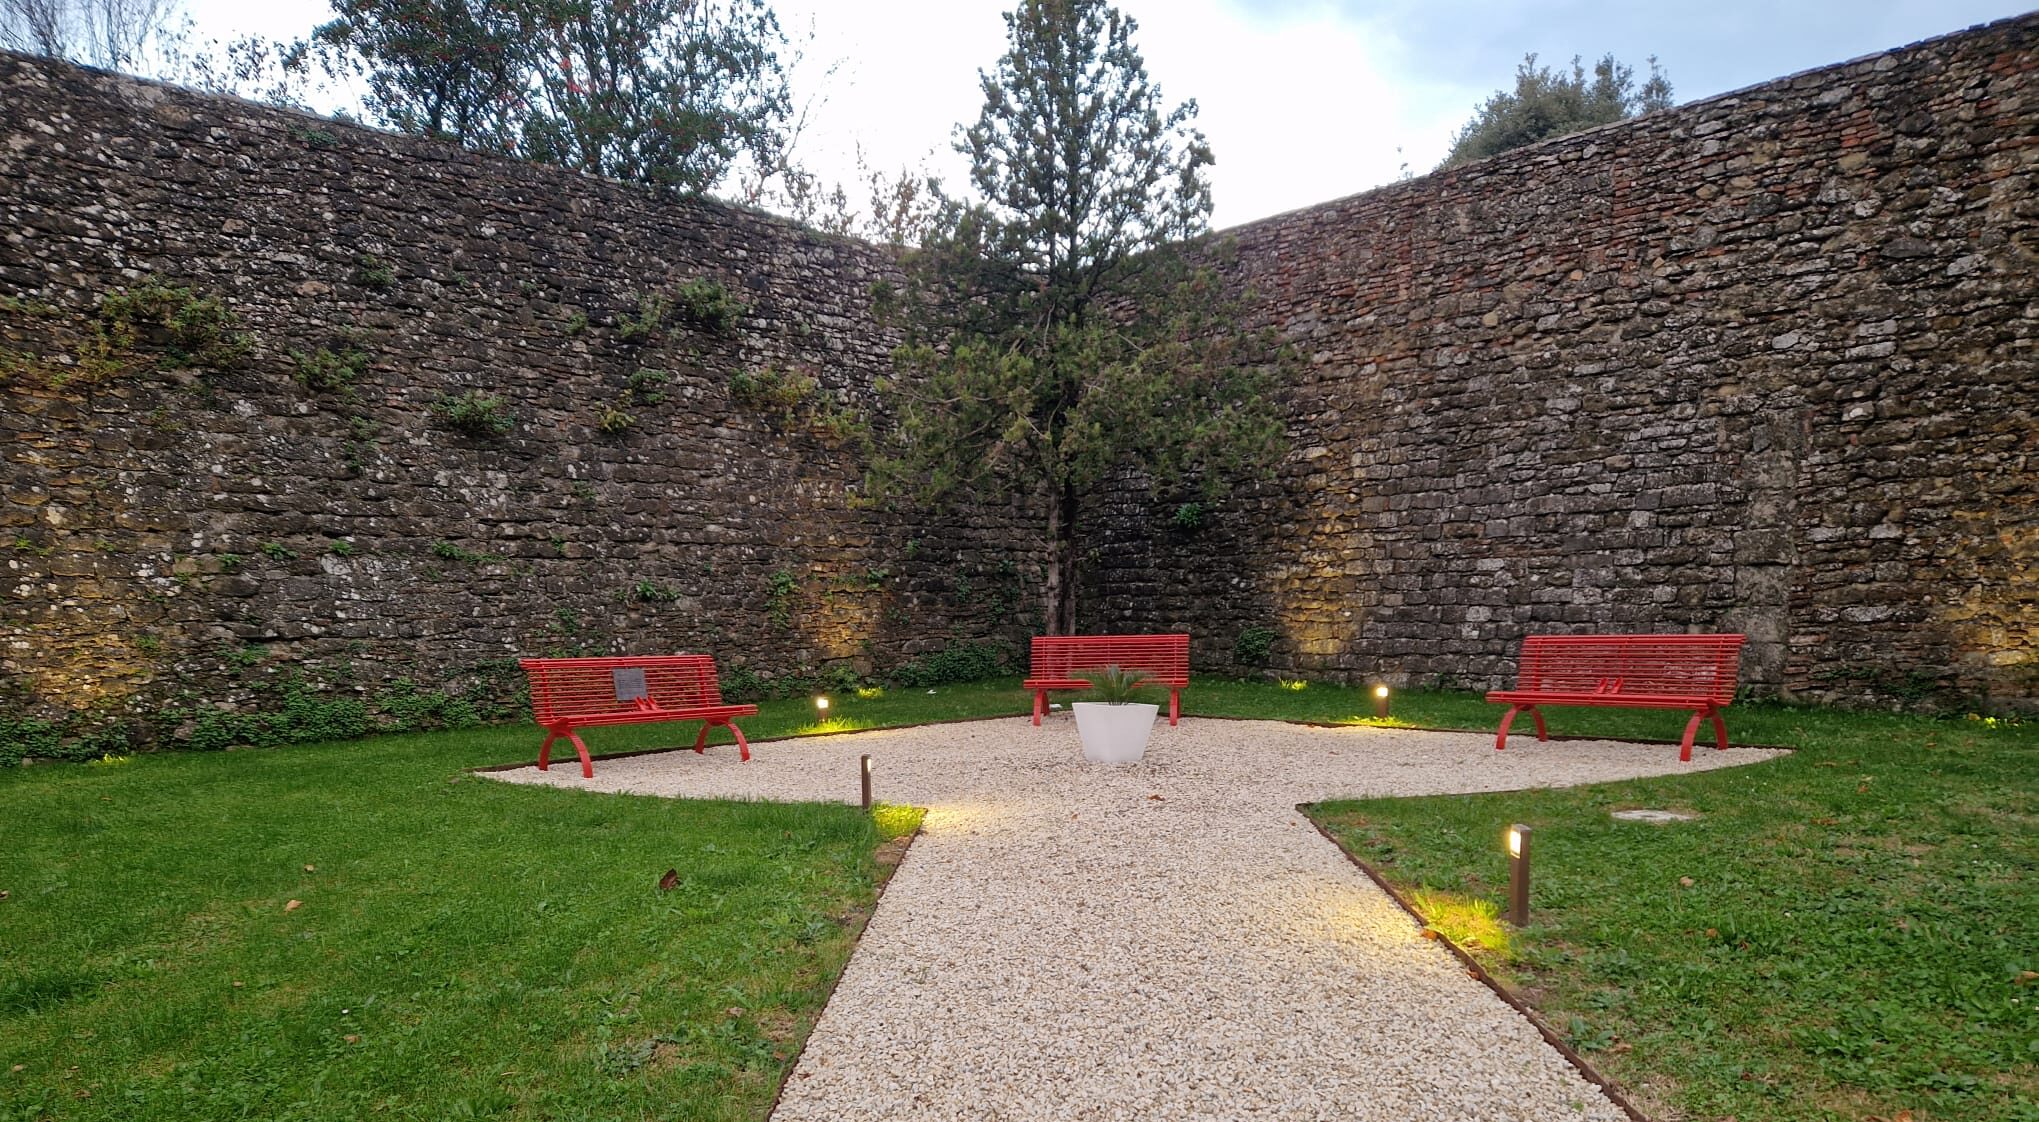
{"x":1380,"y":701}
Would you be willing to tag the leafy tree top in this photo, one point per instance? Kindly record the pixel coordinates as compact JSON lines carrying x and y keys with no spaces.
{"x":1547,"y":103}
{"x":673,"y":92}
{"x":1078,"y":165}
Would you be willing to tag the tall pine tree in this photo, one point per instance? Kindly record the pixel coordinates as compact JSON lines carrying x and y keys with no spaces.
{"x":1061,"y":340}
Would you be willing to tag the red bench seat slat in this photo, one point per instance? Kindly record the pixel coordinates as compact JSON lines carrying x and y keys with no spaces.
{"x":1056,"y":659}
{"x":575,"y":693}
{"x":1695,"y":672}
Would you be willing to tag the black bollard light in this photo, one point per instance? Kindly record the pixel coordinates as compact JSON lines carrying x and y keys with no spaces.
{"x":1518,"y":875}
{"x":1380,"y":702}
{"x":864,"y":765}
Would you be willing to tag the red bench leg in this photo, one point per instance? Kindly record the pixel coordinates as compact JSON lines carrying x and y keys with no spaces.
{"x":1508,"y":718}
{"x":1174,"y":707}
{"x":545,"y":751}
{"x":701,"y":741}
{"x":1691,"y":730}
{"x":1040,"y":703}
{"x":1535,"y":714}
{"x":1719,"y":732}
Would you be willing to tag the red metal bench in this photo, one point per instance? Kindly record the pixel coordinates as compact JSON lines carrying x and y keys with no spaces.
{"x":576,"y":693}
{"x":1057,"y":659}
{"x":1695,"y":672}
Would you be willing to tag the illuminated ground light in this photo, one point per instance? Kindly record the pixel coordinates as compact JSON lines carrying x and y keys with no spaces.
{"x":821,"y":706}
{"x":1518,"y":875}
{"x":1380,"y":702}
{"x":864,"y":771}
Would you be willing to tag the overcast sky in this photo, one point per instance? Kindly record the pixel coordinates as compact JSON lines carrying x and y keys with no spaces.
{"x":1303,"y":100}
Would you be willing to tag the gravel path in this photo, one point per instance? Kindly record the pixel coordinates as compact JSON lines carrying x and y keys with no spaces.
{"x":1169,"y":940}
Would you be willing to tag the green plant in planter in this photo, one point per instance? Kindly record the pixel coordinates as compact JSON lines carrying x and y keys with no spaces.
{"x":1116,"y":686}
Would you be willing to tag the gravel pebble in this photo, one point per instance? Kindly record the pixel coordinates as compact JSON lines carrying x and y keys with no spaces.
{"x":1062,"y":944}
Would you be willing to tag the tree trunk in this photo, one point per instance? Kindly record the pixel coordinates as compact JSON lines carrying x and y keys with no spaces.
{"x":1058,"y":594}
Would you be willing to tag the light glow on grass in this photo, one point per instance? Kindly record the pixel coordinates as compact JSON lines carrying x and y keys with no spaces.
{"x":870,"y":693}
{"x":896,"y":821}
{"x":1293,"y":684}
{"x":1375,"y":722}
{"x":1469,"y":921}
{"x":832,"y":725}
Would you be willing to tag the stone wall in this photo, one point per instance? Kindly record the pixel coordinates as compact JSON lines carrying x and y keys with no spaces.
{"x":1763,"y":362}
{"x":183,"y":536}
{"x":1759,"y":363}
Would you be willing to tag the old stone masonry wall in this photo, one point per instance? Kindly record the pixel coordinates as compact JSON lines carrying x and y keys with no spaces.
{"x":305,"y":427}
{"x":297,"y":416}
{"x":1760,"y":363}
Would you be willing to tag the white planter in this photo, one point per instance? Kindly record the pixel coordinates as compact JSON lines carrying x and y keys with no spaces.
{"x":1114,"y":734}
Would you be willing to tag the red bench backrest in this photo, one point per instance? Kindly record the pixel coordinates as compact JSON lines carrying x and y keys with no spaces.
{"x":1166,"y":657}
{"x":578,"y":687}
{"x":1678,"y":665}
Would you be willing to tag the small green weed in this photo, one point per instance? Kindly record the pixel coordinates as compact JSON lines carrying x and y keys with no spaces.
{"x":614,"y":421}
{"x":371,"y":271}
{"x":652,"y":592}
{"x":647,"y":386}
{"x":448,"y":551}
{"x":474,"y":414}
{"x":329,"y":371}
{"x":1253,"y":645}
{"x":779,"y":590}
{"x":644,"y":326}
{"x":707,"y":303}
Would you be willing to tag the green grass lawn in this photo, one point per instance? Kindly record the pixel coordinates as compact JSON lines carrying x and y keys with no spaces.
{"x":460,"y":948}
{"x":1854,"y":942}
{"x":1847,"y":933}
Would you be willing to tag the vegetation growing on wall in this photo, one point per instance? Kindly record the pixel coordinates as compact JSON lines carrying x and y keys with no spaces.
{"x":154,"y":325}
{"x":474,"y":414}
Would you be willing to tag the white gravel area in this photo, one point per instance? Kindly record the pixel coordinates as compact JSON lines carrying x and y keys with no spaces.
{"x":1169,"y":940}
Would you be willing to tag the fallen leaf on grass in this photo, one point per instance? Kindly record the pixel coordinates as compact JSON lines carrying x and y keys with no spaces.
{"x":1686,"y":881}
{"x":669,"y":881}
{"x":311,"y":868}
{"x":2024,"y":976}
{"x":734,"y":1010}
{"x":352,"y":1038}
{"x":293,"y":905}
